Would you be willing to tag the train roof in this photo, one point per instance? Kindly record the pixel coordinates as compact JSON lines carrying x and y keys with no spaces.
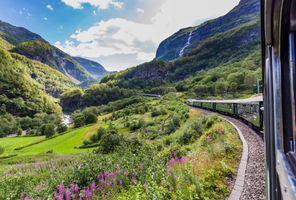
{"x":252,"y":100}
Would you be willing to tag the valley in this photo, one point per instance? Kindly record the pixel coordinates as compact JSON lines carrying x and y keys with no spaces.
{"x":71,"y":129}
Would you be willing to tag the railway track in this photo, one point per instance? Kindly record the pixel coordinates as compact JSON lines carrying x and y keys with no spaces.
{"x":254,"y":172}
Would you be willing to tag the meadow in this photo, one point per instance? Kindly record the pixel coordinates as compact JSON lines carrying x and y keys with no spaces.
{"x":157,"y":149}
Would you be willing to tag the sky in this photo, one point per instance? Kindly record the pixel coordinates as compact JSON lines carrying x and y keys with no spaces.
{"x":116,"y":33}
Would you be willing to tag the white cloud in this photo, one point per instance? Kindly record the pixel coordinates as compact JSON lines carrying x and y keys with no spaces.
{"x":140,"y":11}
{"x":101,"y":4}
{"x":118,"y":36}
{"x":49,"y":7}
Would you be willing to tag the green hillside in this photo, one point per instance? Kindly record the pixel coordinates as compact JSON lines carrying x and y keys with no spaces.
{"x":21,"y":94}
{"x":33,"y":46}
{"x":221,"y":50}
{"x":244,"y":12}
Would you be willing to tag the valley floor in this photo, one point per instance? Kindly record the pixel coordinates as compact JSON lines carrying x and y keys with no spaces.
{"x":162,"y":150}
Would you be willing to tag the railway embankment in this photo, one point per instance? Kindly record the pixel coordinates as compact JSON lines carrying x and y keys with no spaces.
{"x":250,"y":179}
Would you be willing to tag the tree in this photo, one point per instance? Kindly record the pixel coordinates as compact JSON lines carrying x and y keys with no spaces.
{"x":2,"y":109}
{"x":79,"y":120}
{"x":201,"y":90}
{"x":62,"y":128}
{"x":109,"y":142}
{"x":221,"y":87}
{"x":237,"y":77}
{"x":26,"y":123}
{"x":250,"y":81}
{"x":48,"y":130}
{"x":90,"y":118}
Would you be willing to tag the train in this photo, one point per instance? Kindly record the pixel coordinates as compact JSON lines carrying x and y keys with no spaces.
{"x":249,"y":111}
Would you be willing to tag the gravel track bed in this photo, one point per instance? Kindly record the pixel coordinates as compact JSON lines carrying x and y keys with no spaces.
{"x":254,"y":185}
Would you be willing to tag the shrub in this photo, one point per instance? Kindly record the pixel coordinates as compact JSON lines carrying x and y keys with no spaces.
{"x":189,"y":136}
{"x":171,"y":127}
{"x":48,"y":130}
{"x":176,"y":120}
{"x":197,"y":126}
{"x":210,"y":120}
{"x":62,"y":128}
{"x":109,"y":142}
{"x":94,"y":138}
{"x":155,"y":113}
{"x":79,"y":120}
{"x":101,"y":131}
{"x":31,"y":132}
{"x":135,"y":125}
{"x":90,"y":118}
{"x":86,"y":142}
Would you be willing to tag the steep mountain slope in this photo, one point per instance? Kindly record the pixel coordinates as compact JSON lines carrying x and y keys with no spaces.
{"x":21,"y":95}
{"x":94,"y":69}
{"x":27,"y":86}
{"x":224,"y":49}
{"x":35,"y":47}
{"x":186,"y":39}
{"x":15,"y":35}
{"x":221,"y":49}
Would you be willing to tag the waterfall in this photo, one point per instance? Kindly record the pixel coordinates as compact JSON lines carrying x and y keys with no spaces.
{"x":181,"y":53}
{"x":67,"y":119}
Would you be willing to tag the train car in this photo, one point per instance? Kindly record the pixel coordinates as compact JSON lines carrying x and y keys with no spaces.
{"x":278,"y":50}
{"x":247,"y":110}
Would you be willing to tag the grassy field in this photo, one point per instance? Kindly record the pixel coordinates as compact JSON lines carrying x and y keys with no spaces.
{"x":64,"y":144}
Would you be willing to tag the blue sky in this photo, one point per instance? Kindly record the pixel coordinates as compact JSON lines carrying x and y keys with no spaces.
{"x":117,"y":33}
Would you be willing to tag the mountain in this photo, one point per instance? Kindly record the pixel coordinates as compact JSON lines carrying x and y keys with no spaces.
{"x":35,"y":47}
{"x":25,"y":85}
{"x":189,"y":38}
{"x":94,"y":69}
{"x":222,"y":42}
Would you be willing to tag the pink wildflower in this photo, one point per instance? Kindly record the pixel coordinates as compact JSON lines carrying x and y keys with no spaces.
{"x":68,"y":194}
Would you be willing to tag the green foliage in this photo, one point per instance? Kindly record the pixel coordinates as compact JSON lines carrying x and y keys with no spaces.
{"x":48,"y":130}
{"x":96,"y":95}
{"x":90,"y":118}
{"x":210,"y":120}
{"x":158,"y":112}
{"x":84,"y":117}
{"x":22,"y":95}
{"x":1,"y":150}
{"x":8,"y":125}
{"x":192,"y":133}
{"x":62,"y":128}
{"x":34,"y":48}
{"x":53,"y":81}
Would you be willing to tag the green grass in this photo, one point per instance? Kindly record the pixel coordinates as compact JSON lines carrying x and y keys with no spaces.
{"x":9,"y":144}
{"x":61,"y":145}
